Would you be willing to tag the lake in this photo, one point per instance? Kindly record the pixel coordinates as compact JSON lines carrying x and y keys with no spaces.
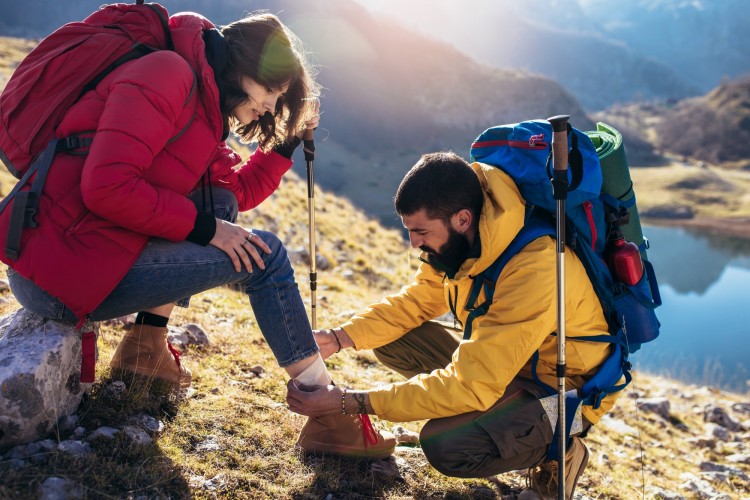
{"x":704,"y":281}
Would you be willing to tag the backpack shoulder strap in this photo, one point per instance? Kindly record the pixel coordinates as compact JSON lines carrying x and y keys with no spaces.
{"x":534,"y":227}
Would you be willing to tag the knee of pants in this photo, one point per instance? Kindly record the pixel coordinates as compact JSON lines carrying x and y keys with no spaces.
{"x":277,"y":262}
{"x":452,"y":457}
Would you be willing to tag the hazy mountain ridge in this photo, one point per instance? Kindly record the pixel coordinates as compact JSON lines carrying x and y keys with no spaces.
{"x":603,"y":51}
{"x":713,"y":128}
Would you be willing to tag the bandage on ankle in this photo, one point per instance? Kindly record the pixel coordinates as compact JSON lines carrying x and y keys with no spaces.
{"x":315,"y":374}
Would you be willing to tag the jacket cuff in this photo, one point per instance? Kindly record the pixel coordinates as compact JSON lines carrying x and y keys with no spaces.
{"x":286,"y":148}
{"x":203,"y":230}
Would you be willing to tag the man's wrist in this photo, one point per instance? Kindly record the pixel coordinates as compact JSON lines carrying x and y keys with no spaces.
{"x":356,"y":402}
{"x":344,"y":339}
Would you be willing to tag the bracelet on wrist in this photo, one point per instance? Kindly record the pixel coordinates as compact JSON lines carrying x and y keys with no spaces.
{"x":343,"y":402}
{"x":338,"y":342}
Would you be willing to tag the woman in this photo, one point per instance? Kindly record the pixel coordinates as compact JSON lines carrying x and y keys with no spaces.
{"x":146,"y":218}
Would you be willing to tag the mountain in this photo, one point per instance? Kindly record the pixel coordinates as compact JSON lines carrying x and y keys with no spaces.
{"x":714,"y":128}
{"x":390,"y":94}
{"x":603,"y":51}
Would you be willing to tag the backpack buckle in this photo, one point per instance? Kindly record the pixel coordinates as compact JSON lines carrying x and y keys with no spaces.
{"x":73,"y":142}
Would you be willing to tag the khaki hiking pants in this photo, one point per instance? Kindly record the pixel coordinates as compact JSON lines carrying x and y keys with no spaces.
{"x":513,"y":434}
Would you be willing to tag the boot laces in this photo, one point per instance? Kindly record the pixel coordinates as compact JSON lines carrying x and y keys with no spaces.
{"x":368,"y":430}
{"x":543,"y":478}
{"x":175,"y":353}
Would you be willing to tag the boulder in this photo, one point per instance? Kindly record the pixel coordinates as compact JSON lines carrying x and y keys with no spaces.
{"x":40,"y":370}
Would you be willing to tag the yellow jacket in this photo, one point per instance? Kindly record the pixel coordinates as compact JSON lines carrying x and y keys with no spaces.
{"x":519,"y":322}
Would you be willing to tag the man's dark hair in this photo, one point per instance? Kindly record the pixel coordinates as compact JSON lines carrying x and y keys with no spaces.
{"x":442,"y":184}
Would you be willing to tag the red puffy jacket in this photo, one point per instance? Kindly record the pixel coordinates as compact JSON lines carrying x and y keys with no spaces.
{"x":98,"y":211}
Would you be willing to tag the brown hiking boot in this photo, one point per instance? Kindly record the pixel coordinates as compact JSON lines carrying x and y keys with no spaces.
{"x":542,"y":480}
{"x":347,"y":436}
{"x":145,"y":350}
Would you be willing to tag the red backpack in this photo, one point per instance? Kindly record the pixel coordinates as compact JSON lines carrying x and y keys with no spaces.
{"x":64,"y":66}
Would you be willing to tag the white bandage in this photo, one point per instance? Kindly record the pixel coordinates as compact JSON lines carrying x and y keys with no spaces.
{"x":315,"y":374}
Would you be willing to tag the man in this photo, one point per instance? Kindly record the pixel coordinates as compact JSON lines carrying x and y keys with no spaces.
{"x":479,"y":394}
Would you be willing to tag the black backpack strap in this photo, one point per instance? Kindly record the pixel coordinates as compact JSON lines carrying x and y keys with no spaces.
{"x":26,"y":204}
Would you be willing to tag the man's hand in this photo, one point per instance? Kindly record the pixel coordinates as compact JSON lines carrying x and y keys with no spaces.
{"x":316,"y":401}
{"x":332,"y":341}
{"x":313,"y":401}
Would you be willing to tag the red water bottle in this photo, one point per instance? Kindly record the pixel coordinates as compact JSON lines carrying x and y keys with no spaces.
{"x":624,"y":259}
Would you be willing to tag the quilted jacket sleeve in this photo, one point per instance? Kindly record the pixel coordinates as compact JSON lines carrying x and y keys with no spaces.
{"x":396,"y":314}
{"x":255,"y":180}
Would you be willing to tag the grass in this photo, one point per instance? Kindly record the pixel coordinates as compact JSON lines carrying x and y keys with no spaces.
{"x":232,"y":436}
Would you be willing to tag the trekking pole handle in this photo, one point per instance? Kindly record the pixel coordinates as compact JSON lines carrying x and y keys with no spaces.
{"x":559,"y":141}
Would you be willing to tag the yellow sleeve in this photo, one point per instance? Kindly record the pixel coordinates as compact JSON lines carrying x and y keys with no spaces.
{"x":388,"y":320}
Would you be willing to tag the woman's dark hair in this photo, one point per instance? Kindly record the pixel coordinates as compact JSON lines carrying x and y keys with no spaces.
{"x":442,"y":184}
{"x":259,"y":46}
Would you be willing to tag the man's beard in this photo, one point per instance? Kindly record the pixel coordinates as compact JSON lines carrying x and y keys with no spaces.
{"x":452,"y":253}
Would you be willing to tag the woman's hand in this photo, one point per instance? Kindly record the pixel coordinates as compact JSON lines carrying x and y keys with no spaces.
{"x":240,"y":244}
{"x":332,"y":341}
{"x":312,"y":122}
{"x":313,"y":401}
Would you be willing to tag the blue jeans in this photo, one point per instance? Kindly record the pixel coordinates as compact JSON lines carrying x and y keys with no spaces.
{"x":169,"y":271}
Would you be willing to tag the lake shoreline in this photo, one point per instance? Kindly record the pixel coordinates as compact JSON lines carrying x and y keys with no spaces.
{"x":737,"y":228}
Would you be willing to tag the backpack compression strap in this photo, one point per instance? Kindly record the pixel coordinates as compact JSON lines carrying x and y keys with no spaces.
{"x":26,"y":204}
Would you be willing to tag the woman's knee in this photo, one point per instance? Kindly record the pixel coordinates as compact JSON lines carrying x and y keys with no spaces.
{"x":277,"y":261}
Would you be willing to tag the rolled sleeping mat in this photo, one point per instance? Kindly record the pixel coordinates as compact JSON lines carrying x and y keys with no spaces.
{"x":617,"y":182}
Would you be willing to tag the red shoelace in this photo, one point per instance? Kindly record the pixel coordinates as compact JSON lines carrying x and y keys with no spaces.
{"x":368,"y":430}
{"x":175,"y":353}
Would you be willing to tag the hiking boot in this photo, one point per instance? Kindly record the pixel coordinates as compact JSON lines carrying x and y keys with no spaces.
{"x":145,"y":350}
{"x":345,"y":435}
{"x":542,"y":480}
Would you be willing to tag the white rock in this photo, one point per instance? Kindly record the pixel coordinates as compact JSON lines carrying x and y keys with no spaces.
{"x":137,"y":435}
{"x":404,"y":435}
{"x":104,"y":432}
{"x":57,"y":488}
{"x":152,"y":426}
{"x":717,"y":431}
{"x":718,"y":415}
{"x":78,"y":449}
{"x":659,"y":406}
{"x":40,"y":376}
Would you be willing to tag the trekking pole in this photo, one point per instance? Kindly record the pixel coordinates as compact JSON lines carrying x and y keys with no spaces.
{"x":309,"y":149}
{"x":560,"y":191}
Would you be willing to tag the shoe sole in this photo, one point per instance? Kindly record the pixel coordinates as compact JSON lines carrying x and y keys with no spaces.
{"x":316,"y":449}
{"x":182,"y":381}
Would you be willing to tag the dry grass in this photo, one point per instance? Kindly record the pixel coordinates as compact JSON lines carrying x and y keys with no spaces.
{"x":233,"y":436}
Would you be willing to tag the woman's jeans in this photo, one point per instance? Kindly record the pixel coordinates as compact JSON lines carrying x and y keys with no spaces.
{"x":168,"y":272}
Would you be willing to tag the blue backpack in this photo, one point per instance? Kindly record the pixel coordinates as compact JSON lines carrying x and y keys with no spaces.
{"x":523,"y":151}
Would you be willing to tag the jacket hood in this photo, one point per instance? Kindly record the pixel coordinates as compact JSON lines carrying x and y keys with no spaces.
{"x":501,"y":218}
